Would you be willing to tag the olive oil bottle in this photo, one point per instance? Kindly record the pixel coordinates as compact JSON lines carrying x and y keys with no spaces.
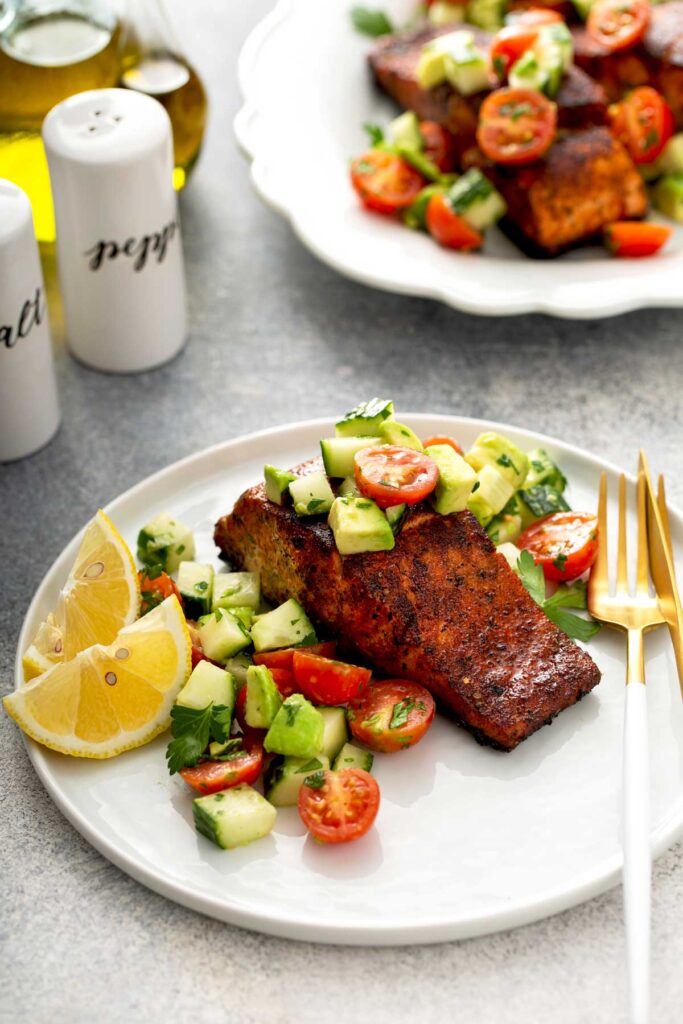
{"x":48,"y":51}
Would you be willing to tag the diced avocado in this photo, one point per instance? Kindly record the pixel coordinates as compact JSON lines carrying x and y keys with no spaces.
{"x":277,"y":483}
{"x":236,"y":590}
{"x":488,"y":14}
{"x":165,"y":542}
{"x":510,"y":553}
{"x":263,"y":698}
{"x":542,"y":470}
{"x":491,"y":492}
{"x":364,"y":420}
{"x":493,"y":450}
{"x":233,"y":817}
{"x":671,"y":157}
{"x":504,"y":528}
{"x":195,"y":583}
{"x":338,"y":453}
{"x":312,"y":494}
{"x":208,"y":684}
{"x":431,"y":65}
{"x":474,"y":198}
{"x":395,"y":515}
{"x":358,"y":524}
{"x":416,"y":215}
{"x":238,"y":666}
{"x":286,"y":776}
{"x":335,"y":733}
{"x":222,"y":635}
{"x":351,"y":756}
{"x":456,"y":479}
{"x":297,"y":729}
{"x":443,"y":13}
{"x":543,"y":500}
{"x":668,"y":196}
{"x":286,"y":626}
{"x":466,"y":66}
{"x":527,"y":73}
{"x":349,"y":488}
{"x":392,"y":432}
{"x":404,"y":130}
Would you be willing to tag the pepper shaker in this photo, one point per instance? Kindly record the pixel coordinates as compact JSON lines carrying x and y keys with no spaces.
{"x":110,"y":153}
{"x":29,"y":411}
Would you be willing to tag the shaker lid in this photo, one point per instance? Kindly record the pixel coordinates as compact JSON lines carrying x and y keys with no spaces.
{"x":15,"y":210}
{"x":105,"y":126}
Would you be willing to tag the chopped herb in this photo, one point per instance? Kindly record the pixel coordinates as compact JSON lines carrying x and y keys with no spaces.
{"x":180,"y":549}
{"x":555,"y":607}
{"x":538,"y":466}
{"x":477,"y":485}
{"x":311,"y":766}
{"x":560,"y":562}
{"x":363,"y":504}
{"x":374,"y":132}
{"x":401,"y":710}
{"x":293,"y":622}
{"x":201,"y":586}
{"x":153,"y":572}
{"x":499,"y":66}
{"x":371,"y":22}
{"x":371,"y":721}
{"x":505,"y":460}
{"x":316,"y":781}
{"x":315,"y":503}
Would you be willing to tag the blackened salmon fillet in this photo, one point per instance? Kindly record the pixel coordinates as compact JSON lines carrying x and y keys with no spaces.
{"x":443,"y":609}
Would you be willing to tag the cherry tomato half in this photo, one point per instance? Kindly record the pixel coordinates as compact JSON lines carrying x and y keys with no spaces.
{"x":618,"y":24}
{"x":516,"y":126}
{"x":328,"y":682}
{"x":443,"y":439}
{"x":448,"y":228}
{"x":392,"y":475}
{"x":508,"y":46}
{"x":439,"y":145}
{"x":643,"y":122}
{"x":385,"y":182}
{"x":391,"y":715}
{"x":154,"y":589}
{"x":283,"y":658}
{"x":634,"y":238}
{"x":565,"y":544}
{"x":338,"y":806}
{"x":534,"y":17}
{"x":212,"y":776}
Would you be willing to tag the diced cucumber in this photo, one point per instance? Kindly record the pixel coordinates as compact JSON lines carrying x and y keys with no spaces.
{"x":491,"y":492}
{"x":338,"y":453}
{"x":238,"y":666}
{"x":297,"y":729}
{"x":165,"y":542}
{"x":527,"y":73}
{"x":416,"y":214}
{"x":444,"y":13}
{"x":517,"y":507}
{"x":555,"y":43}
{"x":277,"y":482}
{"x":358,"y":525}
{"x":286,"y":626}
{"x":466,"y":66}
{"x":510,"y":553}
{"x":312,"y":494}
{"x":671,"y":158}
{"x":222,"y":635}
{"x":244,"y":615}
{"x":263,"y":698}
{"x":364,"y":420}
{"x":236,"y":590}
{"x":392,"y":432}
{"x":195,"y":583}
{"x":287,"y":775}
{"x":494,"y":450}
{"x":504,"y":528}
{"x":456,"y":479}
{"x":404,"y":130}
{"x":395,"y":515}
{"x":542,"y":470}
{"x":208,"y":684}
{"x":543,"y":500}
{"x":668,"y":196}
{"x":233,"y":817}
{"x":349,"y":488}
{"x":486,"y":14}
{"x":474,"y":198}
{"x":335,"y":733}
{"x":351,"y":756}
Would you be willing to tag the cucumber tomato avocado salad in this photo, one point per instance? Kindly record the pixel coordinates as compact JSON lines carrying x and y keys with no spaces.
{"x":268,"y":703}
{"x":410,"y":168}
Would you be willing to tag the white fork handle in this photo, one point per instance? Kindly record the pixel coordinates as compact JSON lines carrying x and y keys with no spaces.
{"x":637,"y":857}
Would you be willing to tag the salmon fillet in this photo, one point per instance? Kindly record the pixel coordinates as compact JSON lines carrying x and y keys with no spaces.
{"x":443,"y":609}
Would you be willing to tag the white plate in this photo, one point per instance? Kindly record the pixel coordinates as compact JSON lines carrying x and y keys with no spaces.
{"x":307,"y":92}
{"x":468,"y":840}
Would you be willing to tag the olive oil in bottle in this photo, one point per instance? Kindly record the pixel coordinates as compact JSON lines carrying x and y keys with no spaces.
{"x":47,"y":53}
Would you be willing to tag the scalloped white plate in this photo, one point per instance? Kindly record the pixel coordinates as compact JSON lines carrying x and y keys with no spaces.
{"x":306,"y":94}
{"x":468,"y":840}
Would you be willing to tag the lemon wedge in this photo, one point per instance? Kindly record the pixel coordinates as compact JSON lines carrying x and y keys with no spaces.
{"x":110,"y":698}
{"x":46,"y":650}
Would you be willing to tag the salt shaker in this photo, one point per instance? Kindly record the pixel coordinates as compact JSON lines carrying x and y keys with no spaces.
{"x":110,"y":153}
{"x":29,"y":411}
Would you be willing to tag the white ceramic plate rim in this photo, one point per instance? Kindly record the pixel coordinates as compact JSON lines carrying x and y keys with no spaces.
{"x":547,"y":288}
{"x":593,"y":882}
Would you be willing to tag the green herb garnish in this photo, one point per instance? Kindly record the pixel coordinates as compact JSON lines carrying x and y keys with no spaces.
{"x":370,"y":22}
{"x":192,"y":729}
{"x":375,"y":133}
{"x":555,"y":607}
{"x":401,"y":710}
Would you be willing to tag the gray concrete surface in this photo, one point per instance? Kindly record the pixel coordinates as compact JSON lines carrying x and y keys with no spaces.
{"x":276,"y":337}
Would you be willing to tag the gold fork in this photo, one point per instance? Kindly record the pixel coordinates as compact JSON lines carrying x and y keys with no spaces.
{"x":634,"y":613}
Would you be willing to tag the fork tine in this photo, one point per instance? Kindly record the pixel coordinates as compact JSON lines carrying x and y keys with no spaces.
{"x":642,"y":572}
{"x":599,"y":572}
{"x":664,"y":512}
{"x":622,"y":570}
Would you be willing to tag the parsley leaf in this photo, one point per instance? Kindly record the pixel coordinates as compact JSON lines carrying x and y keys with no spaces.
{"x":555,"y":607}
{"x":316,"y":781}
{"x":192,"y":729}
{"x":531,"y":576}
{"x":370,"y":22}
{"x":573,"y":625}
{"x":221,"y":720}
{"x":400,"y":712}
{"x":375,"y":133}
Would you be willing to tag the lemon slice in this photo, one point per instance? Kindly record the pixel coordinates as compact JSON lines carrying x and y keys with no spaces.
{"x":102,"y":594}
{"x":46,"y":651}
{"x":110,"y":698}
